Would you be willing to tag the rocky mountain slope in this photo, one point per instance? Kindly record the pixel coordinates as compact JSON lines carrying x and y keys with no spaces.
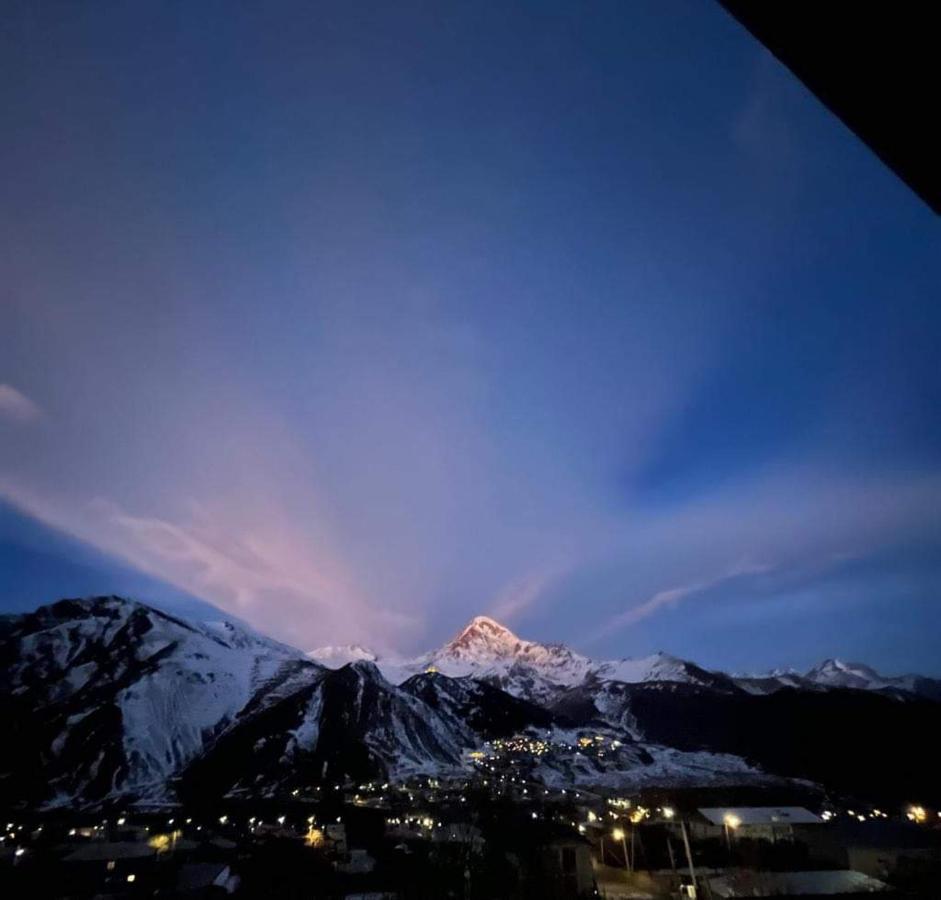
{"x":109,"y":696}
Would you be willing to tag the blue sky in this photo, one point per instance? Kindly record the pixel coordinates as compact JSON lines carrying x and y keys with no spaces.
{"x":357,"y":322}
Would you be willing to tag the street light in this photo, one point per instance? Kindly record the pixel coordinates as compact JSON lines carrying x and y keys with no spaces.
{"x":732,"y":822}
{"x":618,"y":835}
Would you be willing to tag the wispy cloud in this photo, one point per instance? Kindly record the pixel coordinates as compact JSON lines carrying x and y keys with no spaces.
{"x":17,"y":406}
{"x":294,"y":593}
{"x":671,"y":597}
{"x":521,"y":593}
{"x":257,"y":574}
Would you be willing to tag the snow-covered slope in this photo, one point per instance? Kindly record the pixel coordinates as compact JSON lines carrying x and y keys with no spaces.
{"x":836,"y":673}
{"x":113,"y":697}
{"x":335,"y":657}
{"x":108,"y":698}
{"x":350,"y":724}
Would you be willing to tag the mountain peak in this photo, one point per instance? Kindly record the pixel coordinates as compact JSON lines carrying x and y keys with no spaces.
{"x":838,"y":665}
{"x":486,"y":624}
{"x":485,"y":634}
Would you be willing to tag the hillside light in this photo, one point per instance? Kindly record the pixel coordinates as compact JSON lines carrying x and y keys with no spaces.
{"x":131,"y":878}
{"x":618,"y":834}
{"x":917,"y":814}
{"x":668,"y":812}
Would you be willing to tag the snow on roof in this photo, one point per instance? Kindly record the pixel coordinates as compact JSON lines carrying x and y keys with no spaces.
{"x":795,"y":884}
{"x":760,"y":815}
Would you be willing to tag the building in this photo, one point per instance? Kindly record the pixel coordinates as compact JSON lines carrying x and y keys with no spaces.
{"x":567,"y":862}
{"x":335,"y":836}
{"x":107,"y":866}
{"x":771,"y":823}
{"x":357,"y":862}
{"x":460,"y":833}
{"x":879,"y":849}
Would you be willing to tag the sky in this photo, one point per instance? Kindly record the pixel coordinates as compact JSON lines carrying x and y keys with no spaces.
{"x":354,"y":321}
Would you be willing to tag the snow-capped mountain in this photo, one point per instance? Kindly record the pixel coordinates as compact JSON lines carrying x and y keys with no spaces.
{"x":335,"y":657}
{"x":487,"y":650}
{"x":835,"y":673}
{"x":486,"y":645}
{"x":107,"y":699}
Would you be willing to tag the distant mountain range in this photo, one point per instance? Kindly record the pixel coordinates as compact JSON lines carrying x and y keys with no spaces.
{"x":106,"y":699}
{"x":487,"y":650}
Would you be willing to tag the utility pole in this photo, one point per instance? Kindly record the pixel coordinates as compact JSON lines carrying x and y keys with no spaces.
{"x":689,"y":854}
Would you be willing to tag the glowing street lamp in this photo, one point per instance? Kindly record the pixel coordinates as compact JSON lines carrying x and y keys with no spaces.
{"x":731,"y":822}
{"x":618,"y":835}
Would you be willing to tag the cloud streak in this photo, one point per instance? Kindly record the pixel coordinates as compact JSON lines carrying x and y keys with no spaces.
{"x":670,"y":597}
{"x":17,"y":407}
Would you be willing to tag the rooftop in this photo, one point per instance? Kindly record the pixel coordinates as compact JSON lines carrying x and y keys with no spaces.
{"x":760,"y":815}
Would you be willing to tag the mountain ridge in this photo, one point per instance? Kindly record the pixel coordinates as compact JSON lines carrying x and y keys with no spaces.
{"x":109,"y":700}
{"x":485,"y":648}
